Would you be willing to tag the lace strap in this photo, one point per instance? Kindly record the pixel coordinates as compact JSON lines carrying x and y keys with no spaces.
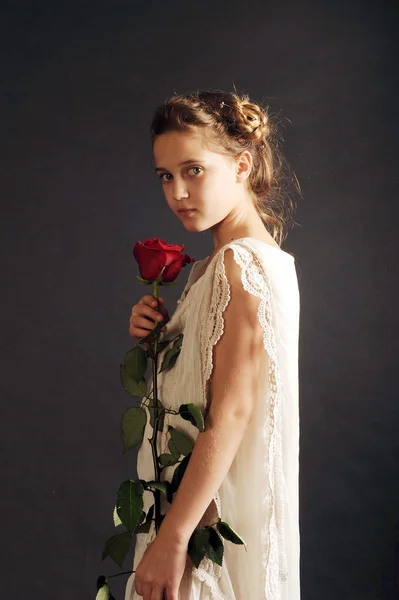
{"x":256,"y":281}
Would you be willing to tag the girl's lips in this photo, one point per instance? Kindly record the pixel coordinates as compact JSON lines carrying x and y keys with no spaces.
{"x":187,"y":211}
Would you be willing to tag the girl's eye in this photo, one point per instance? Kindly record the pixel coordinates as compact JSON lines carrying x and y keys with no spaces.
{"x":195,"y":168}
{"x":162,"y":174}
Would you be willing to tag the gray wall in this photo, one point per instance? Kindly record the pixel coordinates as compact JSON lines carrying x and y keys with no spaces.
{"x":79,"y":84}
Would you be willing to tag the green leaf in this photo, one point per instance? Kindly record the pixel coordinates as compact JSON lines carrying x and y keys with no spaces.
{"x":183,"y":443}
{"x":198,"y":544}
{"x":133,"y":423}
{"x":150,"y":351}
{"x":228,"y":533}
{"x":134,"y":388}
{"x":162,"y":344}
{"x":142,"y":517}
{"x":117,"y":547}
{"x":145,"y":281}
{"x":167,"y":460}
{"x":136,"y":363}
{"x":168,"y":283}
{"x":116,"y":518}
{"x":169,"y":359}
{"x":145,"y":527}
{"x":215,"y":549}
{"x":173,"y":450}
{"x":158,"y":485}
{"x":161,"y":414}
{"x":178,"y":473}
{"x":129,"y":503}
{"x":101,"y":580}
{"x":171,"y":355}
{"x":154,"y":332}
{"x":103,"y":592}
{"x":191,"y":412}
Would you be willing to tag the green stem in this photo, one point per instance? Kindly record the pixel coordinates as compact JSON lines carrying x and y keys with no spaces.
{"x":117,"y":574}
{"x":164,"y":410}
{"x":153,"y":438}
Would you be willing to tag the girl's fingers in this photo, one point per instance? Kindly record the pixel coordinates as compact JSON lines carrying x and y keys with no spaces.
{"x":161,"y":307}
{"x":147,"y":316}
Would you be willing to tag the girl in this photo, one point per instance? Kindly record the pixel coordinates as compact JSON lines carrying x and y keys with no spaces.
{"x":217,"y":157}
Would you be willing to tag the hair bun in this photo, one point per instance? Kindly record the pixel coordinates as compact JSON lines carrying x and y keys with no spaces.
{"x":254,"y":122}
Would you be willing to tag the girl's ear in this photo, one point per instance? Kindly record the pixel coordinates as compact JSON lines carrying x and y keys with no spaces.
{"x":244,"y":165}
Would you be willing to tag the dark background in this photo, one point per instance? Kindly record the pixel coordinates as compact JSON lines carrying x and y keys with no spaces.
{"x":79,"y":85}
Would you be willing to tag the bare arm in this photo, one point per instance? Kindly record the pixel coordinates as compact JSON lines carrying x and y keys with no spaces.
{"x":234,"y":380}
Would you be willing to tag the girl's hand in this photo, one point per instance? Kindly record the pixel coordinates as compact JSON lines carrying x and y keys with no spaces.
{"x":144,"y":313}
{"x":160,"y":571}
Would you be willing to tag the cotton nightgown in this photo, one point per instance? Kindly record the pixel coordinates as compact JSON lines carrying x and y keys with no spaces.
{"x":259,"y":496}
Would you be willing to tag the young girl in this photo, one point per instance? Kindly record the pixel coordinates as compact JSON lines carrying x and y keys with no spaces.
{"x":217,"y":157}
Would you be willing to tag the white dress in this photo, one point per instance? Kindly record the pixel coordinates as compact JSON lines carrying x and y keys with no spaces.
{"x":259,"y":495}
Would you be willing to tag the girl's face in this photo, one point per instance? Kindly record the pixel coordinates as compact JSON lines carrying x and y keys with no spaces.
{"x":194,"y":177}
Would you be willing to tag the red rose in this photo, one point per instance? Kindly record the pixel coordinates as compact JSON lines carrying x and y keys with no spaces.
{"x":155,"y":254}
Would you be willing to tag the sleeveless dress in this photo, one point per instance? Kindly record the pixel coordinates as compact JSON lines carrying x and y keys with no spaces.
{"x":259,"y":496}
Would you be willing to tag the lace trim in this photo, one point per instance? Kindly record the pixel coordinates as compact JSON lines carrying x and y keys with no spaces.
{"x":214,"y":325}
{"x":209,"y":573}
{"x":256,"y":281}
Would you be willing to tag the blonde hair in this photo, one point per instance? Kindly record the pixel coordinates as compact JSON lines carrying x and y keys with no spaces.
{"x":224,"y":118}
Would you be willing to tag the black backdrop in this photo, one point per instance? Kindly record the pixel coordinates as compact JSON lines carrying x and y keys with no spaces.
{"x":79,"y":84}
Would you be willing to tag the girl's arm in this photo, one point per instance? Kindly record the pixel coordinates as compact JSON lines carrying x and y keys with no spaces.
{"x":233,"y":389}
